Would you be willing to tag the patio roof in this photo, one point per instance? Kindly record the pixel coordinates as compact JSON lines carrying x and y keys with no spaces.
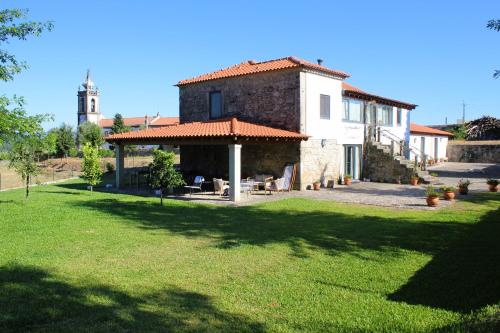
{"x":221,"y":131}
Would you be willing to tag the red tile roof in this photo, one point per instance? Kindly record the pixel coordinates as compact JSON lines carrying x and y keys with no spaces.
{"x":223,"y":128}
{"x":252,"y":67}
{"x":164,"y":121}
{"x":138,"y":121}
{"x":419,"y":129}
{"x":349,"y":89}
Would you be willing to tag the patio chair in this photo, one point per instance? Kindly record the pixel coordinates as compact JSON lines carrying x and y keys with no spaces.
{"x":277,"y":185}
{"x":220,"y":186}
{"x":198,"y":182}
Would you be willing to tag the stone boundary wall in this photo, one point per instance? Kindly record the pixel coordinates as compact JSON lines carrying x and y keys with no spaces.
{"x":474,"y":151}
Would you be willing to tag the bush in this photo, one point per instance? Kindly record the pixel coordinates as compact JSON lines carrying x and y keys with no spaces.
{"x":463,"y":183}
{"x":448,"y":189}
{"x":4,"y":155}
{"x":110,"y":167}
{"x":106,"y":153}
{"x":73,"y":152}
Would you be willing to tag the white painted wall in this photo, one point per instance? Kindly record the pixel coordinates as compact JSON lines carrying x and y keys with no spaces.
{"x":344,"y":132}
{"x":429,"y":145}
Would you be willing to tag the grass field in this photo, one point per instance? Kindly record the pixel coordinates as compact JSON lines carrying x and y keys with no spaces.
{"x":71,"y":260}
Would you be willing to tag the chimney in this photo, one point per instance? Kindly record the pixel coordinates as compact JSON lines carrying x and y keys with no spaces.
{"x":146,"y":121}
{"x":320,"y":61}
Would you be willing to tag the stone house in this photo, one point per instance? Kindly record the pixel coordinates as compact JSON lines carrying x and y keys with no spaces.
{"x":294,"y":95}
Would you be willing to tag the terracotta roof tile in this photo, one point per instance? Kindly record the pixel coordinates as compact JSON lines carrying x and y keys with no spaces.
{"x":138,"y":121}
{"x":252,"y":67}
{"x":216,"y":128}
{"x":414,"y":128}
{"x":346,"y":87}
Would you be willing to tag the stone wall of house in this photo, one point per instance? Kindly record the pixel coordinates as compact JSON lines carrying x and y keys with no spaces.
{"x":380,"y":166}
{"x":474,"y":151}
{"x":271,"y":99}
{"x":319,"y":160}
{"x":213,"y":161}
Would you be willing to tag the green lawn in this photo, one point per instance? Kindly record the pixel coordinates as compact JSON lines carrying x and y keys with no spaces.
{"x":75,"y":261}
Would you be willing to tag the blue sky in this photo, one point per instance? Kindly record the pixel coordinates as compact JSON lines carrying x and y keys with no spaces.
{"x":432,"y":53}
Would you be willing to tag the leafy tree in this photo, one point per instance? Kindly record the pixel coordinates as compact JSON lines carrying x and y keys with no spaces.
{"x":460,"y":133}
{"x":9,"y":65}
{"x":50,"y":143}
{"x":65,"y":140}
{"x":13,"y":120}
{"x":91,"y":170}
{"x":162,"y":172}
{"x":119,"y":125}
{"x":23,"y":158}
{"x":494,"y":25}
{"x":91,"y":133}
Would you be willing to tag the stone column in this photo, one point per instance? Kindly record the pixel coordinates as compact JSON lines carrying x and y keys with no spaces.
{"x":234,"y":172}
{"x":120,"y":163}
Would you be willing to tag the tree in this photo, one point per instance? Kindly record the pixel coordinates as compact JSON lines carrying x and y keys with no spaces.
{"x":23,"y":158}
{"x":50,"y":143}
{"x":494,"y":25}
{"x":65,"y":140}
{"x":14,"y":121}
{"x":119,"y":125}
{"x":91,"y":170}
{"x":91,"y":133}
{"x":162,"y":172}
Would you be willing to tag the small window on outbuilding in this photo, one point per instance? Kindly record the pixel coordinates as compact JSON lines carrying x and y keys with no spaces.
{"x":324,"y":108}
{"x":215,"y":104}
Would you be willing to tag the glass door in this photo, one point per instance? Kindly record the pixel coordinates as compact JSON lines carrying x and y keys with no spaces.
{"x":352,"y":160}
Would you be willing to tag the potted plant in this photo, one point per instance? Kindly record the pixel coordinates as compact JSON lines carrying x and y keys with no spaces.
{"x":317,"y":185}
{"x":448,"y":192}
{"x":493,"y":184}
{"x":347,"y":179}
{"x":463,"y":186}
{"x":432,"y":196}
{"x":414,"y":180}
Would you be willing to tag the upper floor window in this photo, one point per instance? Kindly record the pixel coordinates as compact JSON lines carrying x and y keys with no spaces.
{"x":215,"y":104}
{"x":353,"y":110}
{"x":384,"y":115}
{"x":399,"y":115}
{"x":324,"y":107}
{"x":92,"y":105}
{"x":82,"y":105}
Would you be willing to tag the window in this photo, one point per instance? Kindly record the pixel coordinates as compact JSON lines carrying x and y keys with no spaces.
{"x":92,"y":105}
{"x":82,"y":105}
{"x":399,"y":116}
{"x":384,"y":115}
{"x":324,"y":107}
{"x":353,"y":110}
{"x":215,"y":104}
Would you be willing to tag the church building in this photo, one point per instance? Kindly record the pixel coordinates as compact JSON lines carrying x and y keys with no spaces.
{"x":89,"y":110}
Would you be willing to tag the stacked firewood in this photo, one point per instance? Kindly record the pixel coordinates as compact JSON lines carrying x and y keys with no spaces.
{"x":484,"y":128}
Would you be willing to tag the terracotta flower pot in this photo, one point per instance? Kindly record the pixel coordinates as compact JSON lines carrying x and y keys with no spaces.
{"x":463,"y":190}
{"x":347,"y":180}
{"x":316,"y":186}
{"x":493,"y":188}
{"x":432,"y":201}
{"x":449,"y":195}
{"x":414,"y":181}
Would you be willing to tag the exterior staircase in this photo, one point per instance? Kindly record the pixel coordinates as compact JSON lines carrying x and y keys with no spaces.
{"x":405,"y":167}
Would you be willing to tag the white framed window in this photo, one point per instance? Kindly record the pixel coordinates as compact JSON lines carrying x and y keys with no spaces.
{"x":399,"y":116}
{"x":353,"y":110}
{"x":384,"y":115}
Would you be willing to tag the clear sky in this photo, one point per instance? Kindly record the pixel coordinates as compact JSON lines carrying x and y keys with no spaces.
{"x":431,"y":53}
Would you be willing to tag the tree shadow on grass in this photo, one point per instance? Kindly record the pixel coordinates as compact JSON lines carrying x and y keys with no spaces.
{"x":308,"y":229}
{"x":463,"y":278}
{"x":34,"y":299}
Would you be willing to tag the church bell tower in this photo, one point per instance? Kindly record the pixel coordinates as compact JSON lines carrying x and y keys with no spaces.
{"x":88,"y":102}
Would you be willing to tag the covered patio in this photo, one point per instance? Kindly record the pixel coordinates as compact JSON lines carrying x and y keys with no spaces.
{"x":198,"y":136}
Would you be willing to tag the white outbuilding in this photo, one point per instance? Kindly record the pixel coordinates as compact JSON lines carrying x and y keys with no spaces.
{"x":429,"y":142}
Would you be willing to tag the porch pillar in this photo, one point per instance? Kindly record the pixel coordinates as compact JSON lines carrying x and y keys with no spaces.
{"x":234,"y":172}
{"x":120,"y":162}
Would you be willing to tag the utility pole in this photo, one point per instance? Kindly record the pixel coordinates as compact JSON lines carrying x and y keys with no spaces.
{"x":463,"y":112}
